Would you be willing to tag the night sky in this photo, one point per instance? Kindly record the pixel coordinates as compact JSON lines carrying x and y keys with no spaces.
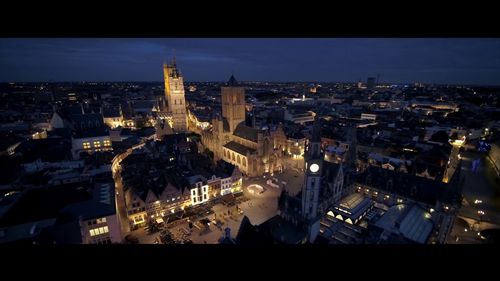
{"x":454,"y":61}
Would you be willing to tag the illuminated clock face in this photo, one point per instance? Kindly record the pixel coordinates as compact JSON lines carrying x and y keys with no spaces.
{"x":314,"y":168}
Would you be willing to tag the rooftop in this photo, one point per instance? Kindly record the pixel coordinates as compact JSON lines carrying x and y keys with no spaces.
{"x":24,"y":231}
{"x":245,"y":132}
{"x":111,"y":112}
{"x":92,"y":132}
{"x":418,"y":188}
{"x":239,"y":148}
{"x":353,"y":206}
{"x":416,"y":225}
{"x":102,"y":203}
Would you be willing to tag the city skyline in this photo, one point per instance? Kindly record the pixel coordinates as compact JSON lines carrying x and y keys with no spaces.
{"x":394,"y":61}
{"x":238,"y":164}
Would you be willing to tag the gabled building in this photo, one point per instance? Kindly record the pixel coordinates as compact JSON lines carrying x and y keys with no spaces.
{"x":90,"y":141}
{"x":291,"y":142}
{"x":97,"y":219}
{"x":75,"y":118}
{"x":113,"y":117}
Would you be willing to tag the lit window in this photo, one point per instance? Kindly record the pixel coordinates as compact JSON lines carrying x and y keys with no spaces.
{"x":97,"y":144}
{"x":92,"y":233}
{"x":86,"y":145}
{"x":107,"y":143}
{"x":106,"y":230}
{"x":173,"y":199}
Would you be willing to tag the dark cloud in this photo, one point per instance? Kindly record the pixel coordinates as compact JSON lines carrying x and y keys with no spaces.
{"x":467,"y":61}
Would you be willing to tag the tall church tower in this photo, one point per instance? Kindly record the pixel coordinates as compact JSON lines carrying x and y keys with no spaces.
{"x":352,"y":138}
{"x":233,"y":103}
{"x":313,"y":170}
{"x":174,"y":93}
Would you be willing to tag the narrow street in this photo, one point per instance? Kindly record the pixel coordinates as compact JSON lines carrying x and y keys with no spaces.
{"x":121,"y":210}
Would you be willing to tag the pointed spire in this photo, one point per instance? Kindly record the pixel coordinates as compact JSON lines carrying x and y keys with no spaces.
{"x":174,"y":62}
{"x":316,"y":133}
{"x":175,"y":70}
{"x":232,"y":81}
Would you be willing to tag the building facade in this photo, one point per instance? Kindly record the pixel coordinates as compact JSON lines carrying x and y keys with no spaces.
{"x":90,"y":144}
{"x":113,"y":117}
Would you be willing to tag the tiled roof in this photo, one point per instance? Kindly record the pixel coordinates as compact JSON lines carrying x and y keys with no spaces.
{"x":239,"y":148}
{"x":418,"y":188}
{"x":245,"y":132}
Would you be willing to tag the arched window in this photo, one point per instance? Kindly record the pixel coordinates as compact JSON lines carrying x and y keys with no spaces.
{"x":225,"y":153}
{"x":232,"y":156}
{"x":239,"y":159}
{"x":244,"y":162}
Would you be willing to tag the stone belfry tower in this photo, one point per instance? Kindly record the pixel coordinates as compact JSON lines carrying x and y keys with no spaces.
{"x":313,"y":171}
{"x":174,"y":93}
{"x":233,"y":103}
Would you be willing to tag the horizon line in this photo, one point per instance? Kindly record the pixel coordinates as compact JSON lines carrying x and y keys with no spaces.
{"x":253,"y":81}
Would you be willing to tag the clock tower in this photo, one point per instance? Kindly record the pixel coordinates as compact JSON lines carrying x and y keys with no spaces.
{"x":313,"y":171}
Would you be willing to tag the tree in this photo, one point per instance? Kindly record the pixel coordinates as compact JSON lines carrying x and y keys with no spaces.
{"x":440,"y":136}
{"x":208,"y":153}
